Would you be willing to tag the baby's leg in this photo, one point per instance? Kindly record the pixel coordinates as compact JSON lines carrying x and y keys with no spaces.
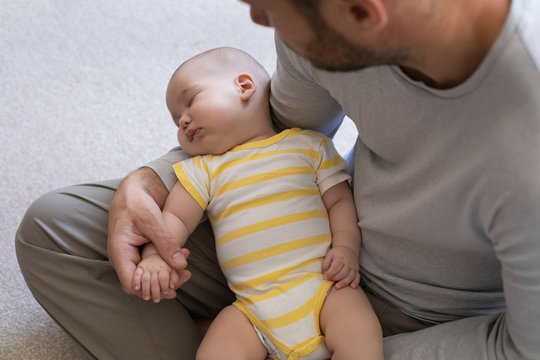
{"x":350,"y":326}
{"x":231,"y":336}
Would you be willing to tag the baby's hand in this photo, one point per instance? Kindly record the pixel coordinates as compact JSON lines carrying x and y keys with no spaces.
{"x":341,"y":265}
{"x":155,"y":278}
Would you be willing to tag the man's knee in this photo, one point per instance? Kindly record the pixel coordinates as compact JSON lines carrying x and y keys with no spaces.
{"x":39,"y":219}
{"x":71,"y":220}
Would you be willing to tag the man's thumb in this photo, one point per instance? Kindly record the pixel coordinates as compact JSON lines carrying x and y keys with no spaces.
{"x":178,"y":259}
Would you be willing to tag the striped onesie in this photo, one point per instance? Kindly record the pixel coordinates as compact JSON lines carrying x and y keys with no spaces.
{"x":264,"y":202}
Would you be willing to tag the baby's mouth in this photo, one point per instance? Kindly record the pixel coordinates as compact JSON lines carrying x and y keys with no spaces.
{"x":191,"y":133}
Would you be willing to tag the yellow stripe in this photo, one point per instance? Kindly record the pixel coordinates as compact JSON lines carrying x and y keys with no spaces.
{"x":182,"y":177}
{"x":293,"y":170}
{"x":290,"y":317}
{"x":235,"y":162}
{"x":275,"y":250}
{"x":265,"y":142}
{"x":197,"y":161}
{"x":255,"y":321}
{"x":330,"y":163}
{"x":312,"y":305}
{"x":268,"y":224}
{"x":273,"y":276}
{"x":202,"y":166}
{"x":303,"y":348}
{"x":286,"y":195}
{"x":280,"y":289}
{"x":307,"y":347}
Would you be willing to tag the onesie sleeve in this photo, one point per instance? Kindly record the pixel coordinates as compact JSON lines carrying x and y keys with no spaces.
{"x":193,"y":175}
{"x":331,"y":169}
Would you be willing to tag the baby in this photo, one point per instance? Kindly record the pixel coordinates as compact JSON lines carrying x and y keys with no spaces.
{"x":283,"y":215}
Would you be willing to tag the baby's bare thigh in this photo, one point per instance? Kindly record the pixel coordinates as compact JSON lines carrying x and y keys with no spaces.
{"x":347,"y":321}
{"x":231,"y":336}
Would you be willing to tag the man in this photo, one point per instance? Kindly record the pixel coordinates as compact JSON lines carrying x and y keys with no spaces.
{"x":445,"y":96}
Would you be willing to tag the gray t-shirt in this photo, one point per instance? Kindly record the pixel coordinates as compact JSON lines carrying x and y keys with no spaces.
{"x":447,"y":188}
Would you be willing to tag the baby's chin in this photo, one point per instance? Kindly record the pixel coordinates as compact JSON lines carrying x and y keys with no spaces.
{"x":193,"y":151}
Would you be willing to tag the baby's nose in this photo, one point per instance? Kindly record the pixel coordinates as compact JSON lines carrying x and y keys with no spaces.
{"x":185,"y":120}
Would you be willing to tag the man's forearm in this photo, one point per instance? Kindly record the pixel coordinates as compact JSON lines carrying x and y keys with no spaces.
{"x":147,"y":180}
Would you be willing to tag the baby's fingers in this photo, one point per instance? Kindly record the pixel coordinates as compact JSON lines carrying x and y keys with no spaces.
{"x":356,"y":280}
{"x":164,"y":277}
{"x":332,"y":272}
{"x":155,"y":288}
{"x":168,"y":291}
{"x":327,"y":261}
{"x":352,"y":279}
{"x":346,"y":281}
{"x":146,"y":282}
{"x":137,"y":276}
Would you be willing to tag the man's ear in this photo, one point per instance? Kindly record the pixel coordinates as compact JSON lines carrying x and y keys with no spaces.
{"x":363,"y":14}
{"x":246,"y":86}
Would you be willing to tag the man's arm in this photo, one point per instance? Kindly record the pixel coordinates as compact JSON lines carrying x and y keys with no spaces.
{"x":134,"y":219}
{"x":511,"y":222}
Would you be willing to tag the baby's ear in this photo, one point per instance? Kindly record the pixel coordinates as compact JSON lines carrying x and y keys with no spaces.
{"x":246,"y":86}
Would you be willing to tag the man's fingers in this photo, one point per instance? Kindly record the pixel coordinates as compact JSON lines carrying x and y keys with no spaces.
{"x":169,"y":250}
{"x":182,"y":277}
{"x":178,"y":259}
{"x":125,"y":271}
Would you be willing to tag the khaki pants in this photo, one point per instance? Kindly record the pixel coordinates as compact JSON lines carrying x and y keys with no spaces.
{"x":62,"y":251}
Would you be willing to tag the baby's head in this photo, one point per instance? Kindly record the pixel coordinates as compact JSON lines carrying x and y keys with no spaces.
{"x":219,"y":99}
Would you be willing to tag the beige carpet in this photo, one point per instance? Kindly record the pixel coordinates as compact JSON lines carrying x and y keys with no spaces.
{"x":82,"y":88}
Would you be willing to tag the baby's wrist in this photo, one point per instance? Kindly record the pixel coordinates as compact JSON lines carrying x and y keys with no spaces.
{"x":346,"y":247}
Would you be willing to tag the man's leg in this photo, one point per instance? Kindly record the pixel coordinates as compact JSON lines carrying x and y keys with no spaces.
{"x":62,"y":251}
{"x":392,"y":320}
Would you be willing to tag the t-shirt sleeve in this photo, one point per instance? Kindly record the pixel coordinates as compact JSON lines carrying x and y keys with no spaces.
{"x":331,"y":168}
{"x":163,"y":166}
{"x":193,"y":175}
{"x":296,"y":97}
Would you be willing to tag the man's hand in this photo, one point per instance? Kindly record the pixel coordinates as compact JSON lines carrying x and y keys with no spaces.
{"x":135,"y":219}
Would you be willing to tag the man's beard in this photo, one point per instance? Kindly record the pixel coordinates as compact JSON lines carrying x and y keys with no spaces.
{"x":333,"y":52}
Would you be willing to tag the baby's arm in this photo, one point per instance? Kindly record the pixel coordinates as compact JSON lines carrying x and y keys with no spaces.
{"x":341,"y":262}
{"x":181,"y":215}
